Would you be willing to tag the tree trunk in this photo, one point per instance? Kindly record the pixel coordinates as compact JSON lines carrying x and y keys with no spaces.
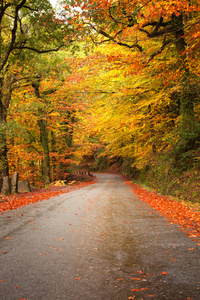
{"x":45,"y":146}
{"x":53,"y":160}
{"x":4,"y":168}
{"x":42,"y":123}
{"x":186,"y":100}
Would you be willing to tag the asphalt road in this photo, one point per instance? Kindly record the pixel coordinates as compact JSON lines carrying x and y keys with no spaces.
{"x":99,"y":242}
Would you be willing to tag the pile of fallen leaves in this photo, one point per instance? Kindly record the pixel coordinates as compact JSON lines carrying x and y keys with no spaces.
{"x":177,"y":212}
{"x":15,"y":201}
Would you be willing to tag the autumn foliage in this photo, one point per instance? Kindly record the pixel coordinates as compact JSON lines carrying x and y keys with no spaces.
{"x":118,"y":83}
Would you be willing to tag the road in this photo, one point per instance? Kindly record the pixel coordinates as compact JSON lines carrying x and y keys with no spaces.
{"x":99,"y":242}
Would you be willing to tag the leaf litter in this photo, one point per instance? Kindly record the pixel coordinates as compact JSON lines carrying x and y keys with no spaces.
{"x":16,"y":201}
{"x":177,"y":212}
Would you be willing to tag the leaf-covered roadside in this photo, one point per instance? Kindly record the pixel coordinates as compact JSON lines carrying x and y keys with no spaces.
{"x":23,"y":199}
{"x":176,"y":212}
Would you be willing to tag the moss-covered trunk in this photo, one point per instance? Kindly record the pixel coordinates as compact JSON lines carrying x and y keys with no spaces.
{"x":45,"y":146}
{"x":4,"y":105}
{"x":42,"y":123}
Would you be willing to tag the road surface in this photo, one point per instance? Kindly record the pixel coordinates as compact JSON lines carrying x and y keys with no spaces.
{"x":99,"y":242}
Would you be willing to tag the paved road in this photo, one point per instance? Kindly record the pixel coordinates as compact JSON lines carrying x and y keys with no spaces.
{"x":99,"y":242}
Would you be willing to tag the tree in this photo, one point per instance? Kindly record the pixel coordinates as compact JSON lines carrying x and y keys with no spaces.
{"x":42,"y":117}
{"x":151,"y":28}
{"x":26,"y":28}
{"x":132,"y":112}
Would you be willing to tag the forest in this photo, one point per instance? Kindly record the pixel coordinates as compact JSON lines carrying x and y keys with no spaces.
{"x":101,"y":86}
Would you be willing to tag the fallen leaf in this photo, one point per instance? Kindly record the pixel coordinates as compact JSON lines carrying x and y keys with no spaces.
{"x":135,"y":278}
{"x":9,"y":238}
{"x":139,"y":290}
{"x":2,"y":280}
{"x":56,"y":248}
{"x":16,"y":201}
{"x":175,"y":211}
{"x":163,"y":273}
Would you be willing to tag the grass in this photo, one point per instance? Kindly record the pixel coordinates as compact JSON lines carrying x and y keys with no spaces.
{"x":183,"y":186}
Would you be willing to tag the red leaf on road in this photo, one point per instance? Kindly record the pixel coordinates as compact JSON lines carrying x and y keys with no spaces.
{"x":16,"y":201}
{"x":139,"y":290}
{"x":177,"y":212}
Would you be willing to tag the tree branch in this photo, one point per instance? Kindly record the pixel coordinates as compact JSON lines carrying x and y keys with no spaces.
{"x":14,"y":30}
{"x":113,"y":39}
{"x":153,"y":34}
{"x":3,"y":9}
{"x":38,"y":51}
{"x":32,"y":9}
{"x":165,"y":43}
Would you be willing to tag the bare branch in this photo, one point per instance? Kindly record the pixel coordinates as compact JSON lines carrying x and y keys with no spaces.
{"x":39,"y":51}
{"x":113,"y":39}
{"x":32,"y":9}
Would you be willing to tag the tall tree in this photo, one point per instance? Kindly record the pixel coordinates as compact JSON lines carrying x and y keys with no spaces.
{"x":26,"y":26}
{"x":41,"y":117}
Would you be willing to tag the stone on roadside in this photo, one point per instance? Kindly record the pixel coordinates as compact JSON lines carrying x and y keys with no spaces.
{"x":24,"y":186}
{"x":1,"y":183}
{"x":6,"y":186}
{"x":14,"y":183}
